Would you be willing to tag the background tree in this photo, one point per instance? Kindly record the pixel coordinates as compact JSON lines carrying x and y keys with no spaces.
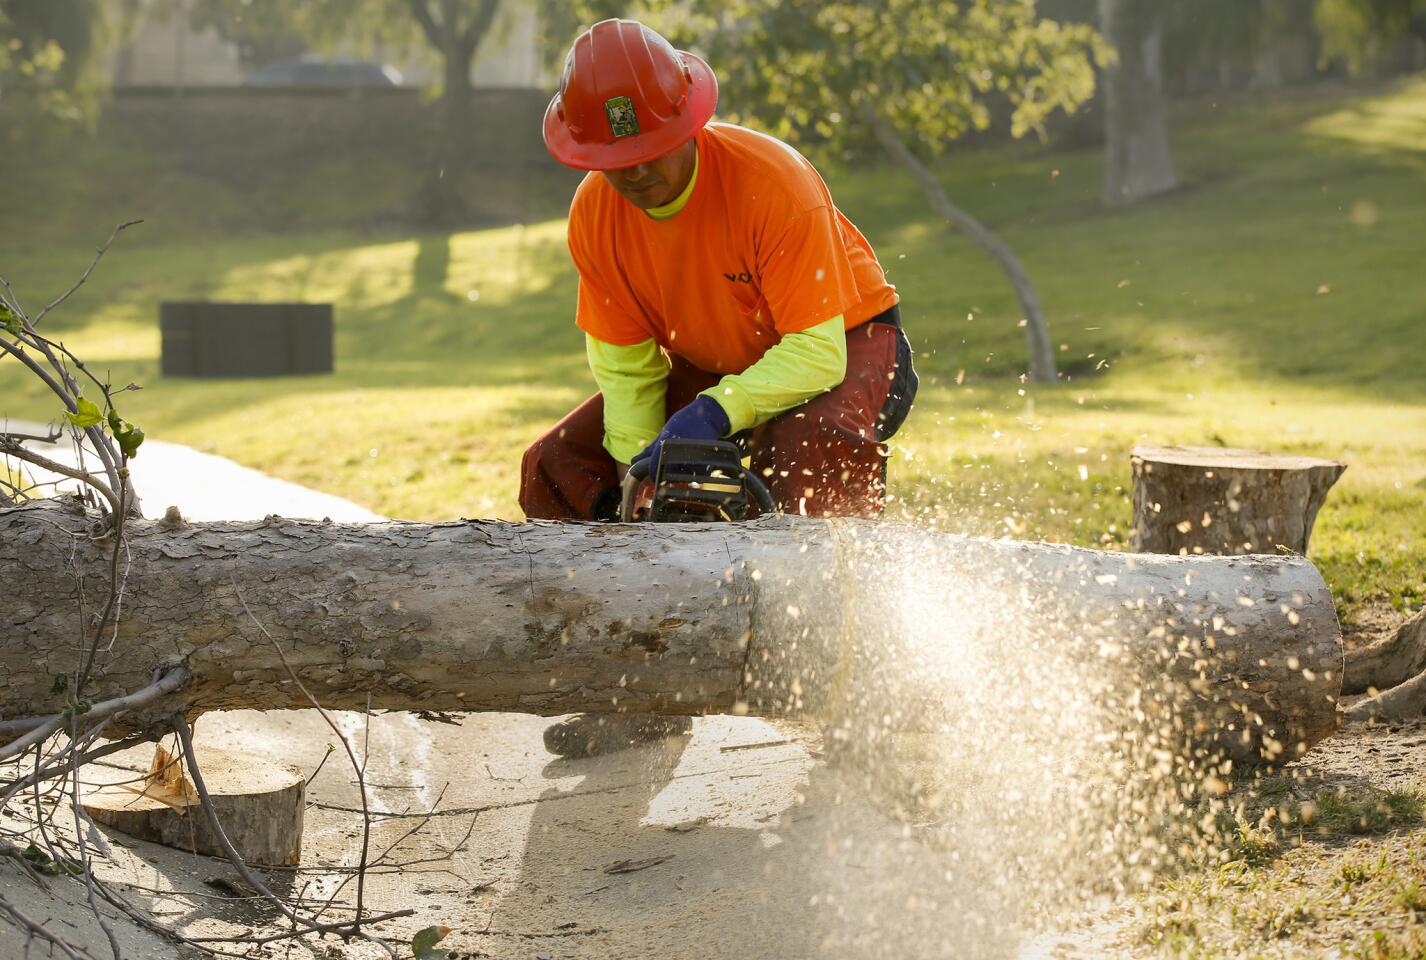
{"x":47,"y":52}
{"x":911,"y":76}
{"x":1225,"y":44}
{"x":1360,"y":31}
{"x":1137,"y":163}
{"x":560,"y":21}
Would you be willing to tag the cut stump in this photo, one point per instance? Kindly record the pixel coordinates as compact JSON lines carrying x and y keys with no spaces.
{"x":1220,"y":500}
{"x":258,"y":802}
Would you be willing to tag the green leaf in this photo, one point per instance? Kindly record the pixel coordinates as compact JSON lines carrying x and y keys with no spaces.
{"x":9,"y":321}
{"x":61,"y":683}
{"x":423,"y":944}
{"x":128,"y":435}
{"x":85,"y":415}
{"x":42,"y":863}
{"x":129,"y":440}
{"x":63,"y":867}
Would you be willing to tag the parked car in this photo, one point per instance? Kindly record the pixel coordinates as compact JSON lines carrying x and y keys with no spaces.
{"x":324,"y":73}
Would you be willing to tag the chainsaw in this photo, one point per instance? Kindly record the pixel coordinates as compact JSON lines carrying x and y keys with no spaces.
{"x":698,"y":481}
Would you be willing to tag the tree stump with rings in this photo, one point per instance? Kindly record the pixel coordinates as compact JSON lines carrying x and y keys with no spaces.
{"x":1220,"y":500}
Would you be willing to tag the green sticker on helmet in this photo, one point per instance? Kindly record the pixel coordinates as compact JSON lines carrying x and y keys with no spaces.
{"x":622,"y":120}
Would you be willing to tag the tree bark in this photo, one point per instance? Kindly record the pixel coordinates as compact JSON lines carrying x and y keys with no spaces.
{"x":1388,"y":662}
{"x":775,"y":617}
{"x":1037,"y":328}
{"x":1224,"y":500}
{"x":1393,"y":671}
{"x":1137,"y":161}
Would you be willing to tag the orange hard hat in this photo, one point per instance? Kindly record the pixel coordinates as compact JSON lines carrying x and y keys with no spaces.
{"x":626,"y":97}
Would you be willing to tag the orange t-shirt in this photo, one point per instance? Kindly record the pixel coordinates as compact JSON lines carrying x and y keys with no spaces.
{"x":759,"y":251}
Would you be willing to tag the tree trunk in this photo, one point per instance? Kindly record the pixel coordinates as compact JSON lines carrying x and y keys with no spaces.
{"x":1037,"y":329}
{"x":456,"y":37}
{"x":442,"y":199}
{"x":1137,"y":162}
{"x":1223,"y":500}
{"x":776,"y":617}
{"x":1267,"y":55}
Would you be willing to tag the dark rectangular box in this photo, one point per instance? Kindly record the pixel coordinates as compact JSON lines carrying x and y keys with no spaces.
{"x":204,"y":339}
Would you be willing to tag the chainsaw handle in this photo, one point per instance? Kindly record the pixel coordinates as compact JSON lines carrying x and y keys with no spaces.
{"x":761,"y":494}
{"x":637,"y":473}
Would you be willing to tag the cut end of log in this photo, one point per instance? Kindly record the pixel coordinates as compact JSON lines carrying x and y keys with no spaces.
{"x":258,"y":802}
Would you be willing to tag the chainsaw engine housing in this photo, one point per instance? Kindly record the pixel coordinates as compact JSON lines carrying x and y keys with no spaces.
{"x":699,"y":481}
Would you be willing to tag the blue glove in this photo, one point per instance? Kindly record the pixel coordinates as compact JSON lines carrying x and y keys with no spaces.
{"x":703,"y":419}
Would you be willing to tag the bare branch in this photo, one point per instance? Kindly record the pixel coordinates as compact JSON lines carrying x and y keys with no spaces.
{"x":68,"y":392}
{"x":39,"y":371}
{"x":98,"y":255}
{"x":479,"y":25}
{"x":433,"y":32}
{"x":54,"y":466}
{"x":89,"y":756}
{"x":359,"y":768}
{"x":84,"y":858}
{"x":34,"y":929}
{"x":170,"y":682}
{"x":352,"y":928}
{"x":31,"y":437}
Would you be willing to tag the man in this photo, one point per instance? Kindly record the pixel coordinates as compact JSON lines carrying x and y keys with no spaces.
{"x":722,"y":295}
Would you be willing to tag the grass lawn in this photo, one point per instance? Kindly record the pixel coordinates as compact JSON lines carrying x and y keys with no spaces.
{"x":1276,"y":300}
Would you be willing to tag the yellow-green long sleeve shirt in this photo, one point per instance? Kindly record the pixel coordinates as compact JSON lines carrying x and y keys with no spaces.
{"x":634,"y":382}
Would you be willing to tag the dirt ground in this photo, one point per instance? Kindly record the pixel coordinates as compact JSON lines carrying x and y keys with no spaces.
{"x":739,"y":841}
{"x":734,"y":842}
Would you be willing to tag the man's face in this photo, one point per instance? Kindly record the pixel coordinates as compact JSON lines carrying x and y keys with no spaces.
{"x":656,"y":182}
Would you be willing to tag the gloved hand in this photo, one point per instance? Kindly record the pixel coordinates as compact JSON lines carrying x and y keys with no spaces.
{"x":703,"y":419}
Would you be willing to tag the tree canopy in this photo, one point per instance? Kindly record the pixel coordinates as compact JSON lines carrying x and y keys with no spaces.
{"x":1358,"y":31}
{"x":47,"y":51}
{"x":911,"y":76}
{"x":812,"y":72}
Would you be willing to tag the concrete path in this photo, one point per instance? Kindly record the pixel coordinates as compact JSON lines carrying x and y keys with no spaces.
{"x":204,"y":486}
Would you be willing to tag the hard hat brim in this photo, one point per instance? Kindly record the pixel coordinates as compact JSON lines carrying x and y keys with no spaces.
{"x":641,"y":147}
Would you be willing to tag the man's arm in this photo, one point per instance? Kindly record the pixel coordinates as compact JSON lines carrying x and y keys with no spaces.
{"x":633,"y":380}
{"x":796,"y":369}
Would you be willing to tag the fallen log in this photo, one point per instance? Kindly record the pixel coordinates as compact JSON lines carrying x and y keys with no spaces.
{"x":775,"y":617}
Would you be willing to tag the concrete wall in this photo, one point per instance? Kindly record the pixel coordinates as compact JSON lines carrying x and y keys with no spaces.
{"x":327,"y":158}
{"x":230,"y":124}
